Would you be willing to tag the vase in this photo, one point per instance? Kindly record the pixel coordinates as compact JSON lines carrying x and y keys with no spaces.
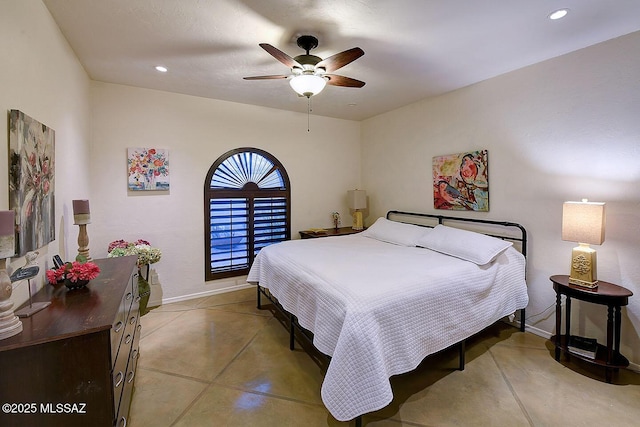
{"x":144,"y":290}
{"x":75,"y":285}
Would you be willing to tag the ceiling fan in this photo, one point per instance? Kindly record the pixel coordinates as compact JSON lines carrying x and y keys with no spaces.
{"x":310,"y":73}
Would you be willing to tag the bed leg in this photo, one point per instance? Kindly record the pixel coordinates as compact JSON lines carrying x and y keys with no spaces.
{"x":291,"y":333}
{"x":522,"y":325}
{"x":359,"y":421}
{"x":461,"y":350}
{"x":258,"y":299}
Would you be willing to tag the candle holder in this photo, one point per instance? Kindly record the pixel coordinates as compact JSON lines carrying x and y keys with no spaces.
{"x":83,"y":242}
{"x":81,"y":217}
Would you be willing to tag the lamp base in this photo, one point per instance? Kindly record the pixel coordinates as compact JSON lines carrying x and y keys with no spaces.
{"x":357,"y":221}
{"x":577,"y":282}
{"x":10,"y":325}
{"x":583,"y":267}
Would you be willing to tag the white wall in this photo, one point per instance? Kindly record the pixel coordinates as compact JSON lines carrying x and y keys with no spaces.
{"x":322,"y":165}
{"x":564,"y":129}
{"x":41,"y":77}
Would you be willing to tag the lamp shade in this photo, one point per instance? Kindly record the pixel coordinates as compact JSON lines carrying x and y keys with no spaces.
{"x":357,"y":199}
{"x":583,"y":222}
{"x":307,"y":84}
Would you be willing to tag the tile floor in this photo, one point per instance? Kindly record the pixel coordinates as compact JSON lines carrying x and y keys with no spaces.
{"x":219,"y":361}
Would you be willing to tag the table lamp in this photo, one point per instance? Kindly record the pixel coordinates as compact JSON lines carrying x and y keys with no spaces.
{"x":10,"y":325}
{"x":357,"y":200}
{"x":82,"y":217}
{"x":583,"y":222}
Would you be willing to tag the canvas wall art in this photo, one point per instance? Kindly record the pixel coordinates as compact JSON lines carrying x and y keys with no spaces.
{"x":31,"y":181}
{"x":460,"y":181}
{"x":148,"y":169}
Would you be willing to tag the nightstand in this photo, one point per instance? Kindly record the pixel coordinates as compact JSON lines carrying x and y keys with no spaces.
{"x":341,"y":231}
{"x":613,"y":296}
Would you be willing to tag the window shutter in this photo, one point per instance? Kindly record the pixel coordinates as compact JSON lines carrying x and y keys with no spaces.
{"x":269,"y":221}
{"x":228,"y":234}
{"x":247,"y":208}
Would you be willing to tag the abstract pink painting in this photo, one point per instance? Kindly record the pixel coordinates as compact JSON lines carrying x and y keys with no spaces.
{"x":461,"y":181}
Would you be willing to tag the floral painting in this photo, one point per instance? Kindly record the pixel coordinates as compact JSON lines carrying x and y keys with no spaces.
{"x":31,"y":181}
{"x":148,"y":169}
{"x":460,"y":181}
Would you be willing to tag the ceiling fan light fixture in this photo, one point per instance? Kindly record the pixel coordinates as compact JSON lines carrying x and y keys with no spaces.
{"x":308,"y":84}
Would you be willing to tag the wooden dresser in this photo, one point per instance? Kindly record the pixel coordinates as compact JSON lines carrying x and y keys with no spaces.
{"x":74,"y":362}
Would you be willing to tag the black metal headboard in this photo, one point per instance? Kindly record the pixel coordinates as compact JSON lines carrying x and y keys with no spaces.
{"x":517,"y":232}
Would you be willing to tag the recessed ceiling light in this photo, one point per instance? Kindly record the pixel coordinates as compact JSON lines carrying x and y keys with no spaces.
{"x":161,"y":69}
{"x":558,"y":14}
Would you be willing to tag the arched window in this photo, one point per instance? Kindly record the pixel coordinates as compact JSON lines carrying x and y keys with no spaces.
{"x":246,"y":201}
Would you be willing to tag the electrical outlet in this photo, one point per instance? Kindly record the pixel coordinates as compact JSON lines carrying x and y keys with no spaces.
{"x":153,"y":278}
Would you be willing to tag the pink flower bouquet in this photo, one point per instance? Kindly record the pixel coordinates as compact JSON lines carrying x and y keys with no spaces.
{"x":76,"y":271}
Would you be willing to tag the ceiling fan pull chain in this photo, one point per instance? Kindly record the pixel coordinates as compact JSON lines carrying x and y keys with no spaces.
{"x":308,"y":113}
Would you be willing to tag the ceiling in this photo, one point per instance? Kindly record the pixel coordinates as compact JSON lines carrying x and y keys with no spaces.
{"x":414,"y":49}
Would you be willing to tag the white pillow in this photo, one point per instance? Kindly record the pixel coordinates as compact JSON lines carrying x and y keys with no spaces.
{"x":468,"y":245}
{"x":398,"y":233}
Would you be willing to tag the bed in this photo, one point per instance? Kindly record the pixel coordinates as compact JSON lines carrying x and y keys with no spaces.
{"x":378,"y":302}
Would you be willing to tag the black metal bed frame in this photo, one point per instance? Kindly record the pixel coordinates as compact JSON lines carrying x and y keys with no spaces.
{"x":307,"y":336}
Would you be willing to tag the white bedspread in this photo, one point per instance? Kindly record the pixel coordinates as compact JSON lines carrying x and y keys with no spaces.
{"x":378,"y":309}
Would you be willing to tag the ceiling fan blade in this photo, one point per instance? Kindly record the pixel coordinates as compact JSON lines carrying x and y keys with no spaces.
{"x":336,"y":80}
{"x":341,"y":59}
{"x":280,"y":56}
{"x":282,"y":76}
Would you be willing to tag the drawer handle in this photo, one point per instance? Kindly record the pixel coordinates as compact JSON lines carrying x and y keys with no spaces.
{"x":128,"y":339}
{"x":134,"y":355}
{"x":123,"y":422}
{"x":119,"y":379}
{"x":133,"y":320}
{"x":129,"y":295}
{"x":139,"y":328}
{"x":131,"y":375}
{"x":138,"y":298}
{"x":118,"y":326}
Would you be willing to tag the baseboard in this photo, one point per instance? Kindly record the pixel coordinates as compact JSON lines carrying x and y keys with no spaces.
{"x":527,"y":328}
{"x":537,"y":331}
{"x":201,"y":294}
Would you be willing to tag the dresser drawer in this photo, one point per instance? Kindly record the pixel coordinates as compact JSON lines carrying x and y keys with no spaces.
{"x":120,"y":323}
{"x":119,"y":375}
{"x":132,"y":364}
{"x":117,"y":332}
